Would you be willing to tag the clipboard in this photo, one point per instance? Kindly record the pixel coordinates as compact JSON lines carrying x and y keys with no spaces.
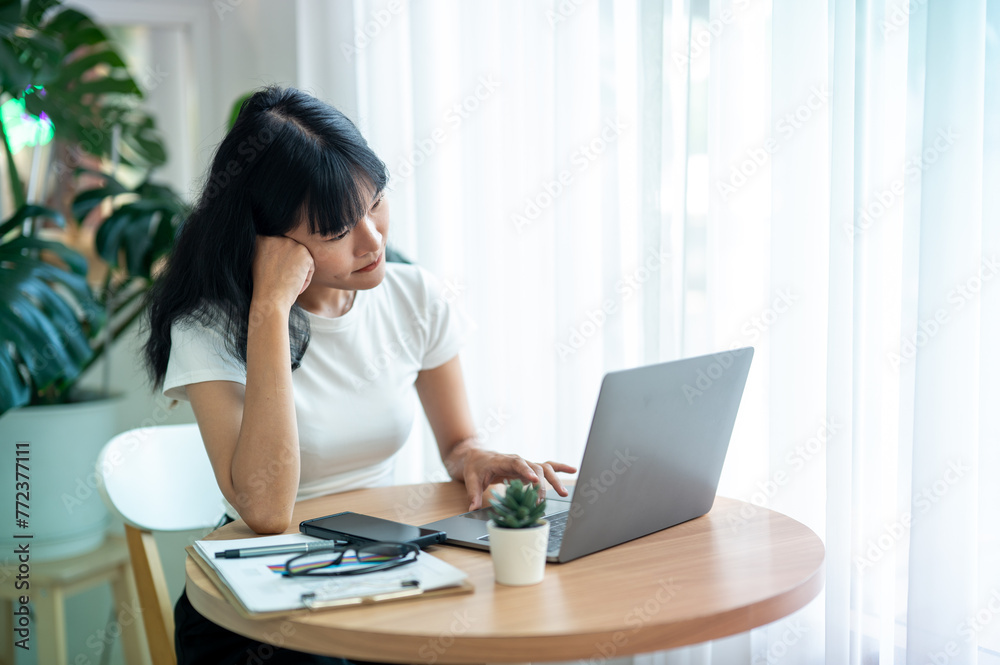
{"x":310,"y":606}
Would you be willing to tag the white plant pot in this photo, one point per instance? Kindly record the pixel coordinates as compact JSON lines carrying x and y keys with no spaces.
{"x":518,"y":554}
{"x":66,"y":516}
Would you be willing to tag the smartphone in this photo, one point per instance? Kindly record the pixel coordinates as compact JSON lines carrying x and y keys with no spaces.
{"x":358,"y":528}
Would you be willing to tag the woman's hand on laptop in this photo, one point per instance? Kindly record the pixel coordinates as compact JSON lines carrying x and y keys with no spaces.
{"x":481,"y":468}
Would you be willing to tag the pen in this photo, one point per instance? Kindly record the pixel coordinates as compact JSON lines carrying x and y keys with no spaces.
{"x":247,"y":552}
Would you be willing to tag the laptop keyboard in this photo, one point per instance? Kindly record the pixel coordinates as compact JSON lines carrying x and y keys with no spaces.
{"x":557,"y":526}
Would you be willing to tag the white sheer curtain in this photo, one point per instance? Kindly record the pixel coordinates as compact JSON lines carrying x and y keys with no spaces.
{"x":607,"y":183}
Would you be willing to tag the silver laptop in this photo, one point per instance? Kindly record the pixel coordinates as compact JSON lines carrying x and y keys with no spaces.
{"x":653,"y":457}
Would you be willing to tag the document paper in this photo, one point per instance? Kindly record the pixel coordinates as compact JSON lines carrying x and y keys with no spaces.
{"x":260,"y":588}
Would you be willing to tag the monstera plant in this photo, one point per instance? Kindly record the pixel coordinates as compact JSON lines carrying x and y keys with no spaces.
{"x":83,"y":227}
{"x":63,"y":79}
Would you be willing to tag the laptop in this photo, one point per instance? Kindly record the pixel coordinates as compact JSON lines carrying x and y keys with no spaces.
{"x":653,"y":457}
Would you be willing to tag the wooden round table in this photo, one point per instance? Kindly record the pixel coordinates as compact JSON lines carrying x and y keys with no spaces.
{"x":736,"y":568}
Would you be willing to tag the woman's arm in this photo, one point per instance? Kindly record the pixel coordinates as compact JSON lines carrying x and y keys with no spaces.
{"x":250,"y":433}
{"x":442,"y":394}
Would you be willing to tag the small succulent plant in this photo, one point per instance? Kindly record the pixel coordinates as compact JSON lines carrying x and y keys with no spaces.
{"x":519,"y":507}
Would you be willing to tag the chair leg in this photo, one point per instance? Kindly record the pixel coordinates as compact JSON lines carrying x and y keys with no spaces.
{"x":50,"y":625}
{"x":129,"y":617}
{"x":154,"y":600}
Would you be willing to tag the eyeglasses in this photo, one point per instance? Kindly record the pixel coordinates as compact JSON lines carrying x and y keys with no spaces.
{"x":365,"y":558}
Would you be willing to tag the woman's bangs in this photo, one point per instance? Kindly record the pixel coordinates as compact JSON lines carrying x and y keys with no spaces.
{"x":339,"y":196}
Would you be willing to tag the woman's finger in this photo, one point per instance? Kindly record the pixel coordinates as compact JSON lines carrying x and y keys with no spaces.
{"x":526,"y":471}
{"x":540,"y":473}
{"x":550,"y":475}
{"x":473,"y":485}
{"x":308,"y":280}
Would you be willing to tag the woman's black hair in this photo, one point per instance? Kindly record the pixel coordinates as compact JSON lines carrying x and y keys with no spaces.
{"x":288,"y":155}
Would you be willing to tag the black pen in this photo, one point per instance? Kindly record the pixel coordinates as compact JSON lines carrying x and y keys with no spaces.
{"x":246,"y":552}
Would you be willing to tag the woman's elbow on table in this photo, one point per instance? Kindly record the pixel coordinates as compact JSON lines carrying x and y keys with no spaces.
{"x":267,"y":522}
{"x":264,"y":516}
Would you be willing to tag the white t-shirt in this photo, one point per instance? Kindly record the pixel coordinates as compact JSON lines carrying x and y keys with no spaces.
{"x":354,"y":394}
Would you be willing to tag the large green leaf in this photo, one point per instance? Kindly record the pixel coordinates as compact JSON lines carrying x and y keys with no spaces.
{"x":73,"y":260}
{"x":140,"y":232}
{"x":29,"y":344}
{"x":55,"y":307}
{"x":50,"y":341}
{"x":128,"y":234}
{"x":107,"y":85}
{"x":47,"y":342}
{"x":86,"y":200}
{"x":80,"y":66}
{"x":163,"y":238}
{"x":109,"y":235}
{"x":62,"y":64}
{"x":36,"y":10}
{"x":10,"y":17}
{"x":48,"y":314}
{"x":14,"y":74}
{"x":24,"y":212}
{"x":14,"y":390}
{"x":137,"y":242}
{"x":88,"y":89}
{"x":67,"y":20}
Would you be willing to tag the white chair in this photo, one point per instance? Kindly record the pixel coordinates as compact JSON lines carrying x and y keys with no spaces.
{"x":158,"y":479}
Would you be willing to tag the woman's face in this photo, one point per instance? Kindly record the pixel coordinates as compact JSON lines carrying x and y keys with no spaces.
{"x":346,"y":261}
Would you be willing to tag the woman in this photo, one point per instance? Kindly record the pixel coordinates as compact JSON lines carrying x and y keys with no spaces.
{"x":296,"y":344}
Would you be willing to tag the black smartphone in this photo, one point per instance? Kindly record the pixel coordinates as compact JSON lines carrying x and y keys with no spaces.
{"x":358,"y":528}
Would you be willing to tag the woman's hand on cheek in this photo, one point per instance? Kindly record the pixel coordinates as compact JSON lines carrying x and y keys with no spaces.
{"x":485,"y":467}
{"x":282,"y":269}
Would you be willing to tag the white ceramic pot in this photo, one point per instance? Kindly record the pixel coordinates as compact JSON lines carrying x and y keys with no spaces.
{"x":518,"y":554}
{"x":66,"y":516}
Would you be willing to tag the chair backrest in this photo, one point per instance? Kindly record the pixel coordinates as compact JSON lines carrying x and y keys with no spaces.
{"x":158,"y":479}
